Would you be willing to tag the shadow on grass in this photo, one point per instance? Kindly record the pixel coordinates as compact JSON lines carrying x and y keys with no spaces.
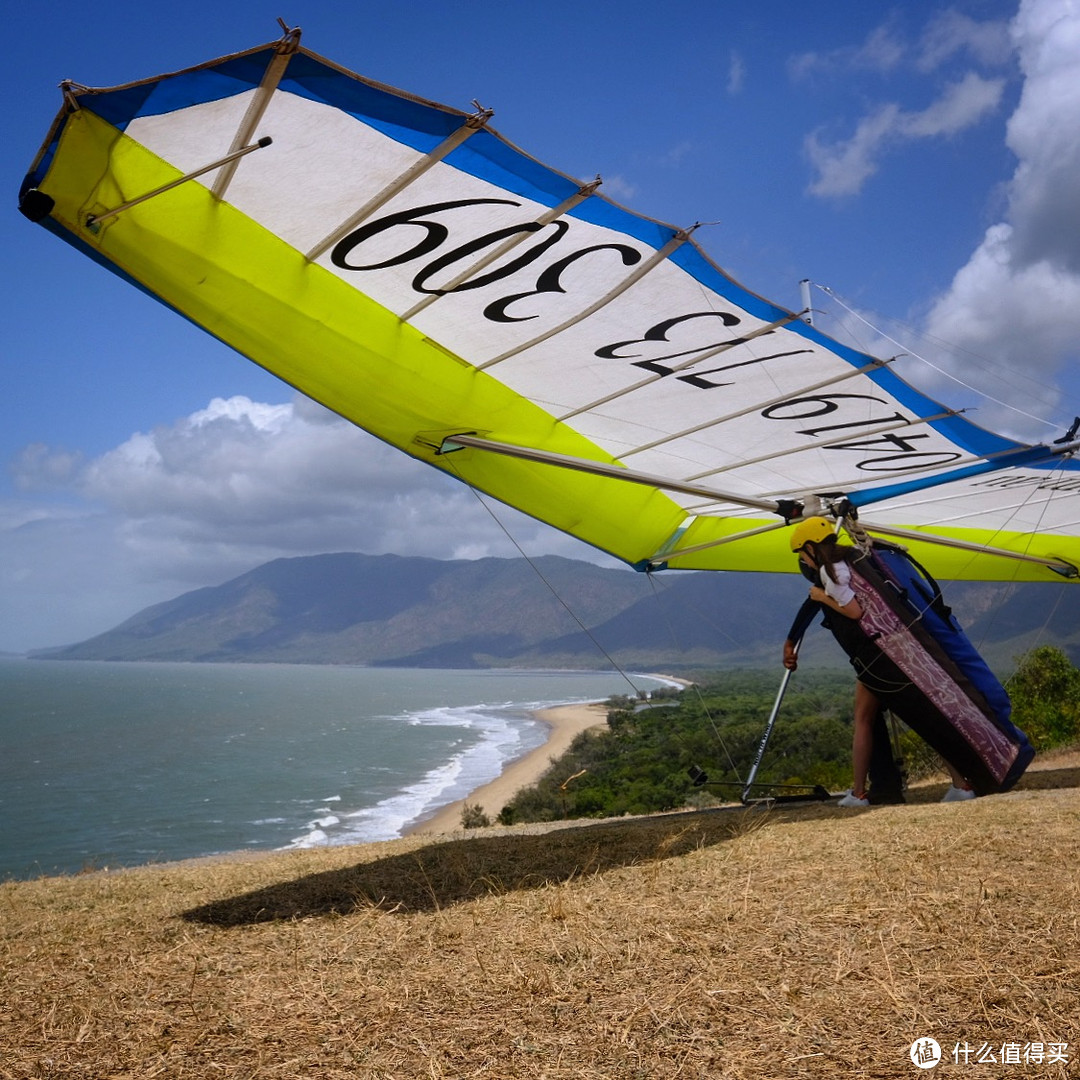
{"x":1032,"y":780}
{"x":448,"y":872}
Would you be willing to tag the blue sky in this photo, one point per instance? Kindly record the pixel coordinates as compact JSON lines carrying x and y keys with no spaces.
{"x":918,"y":159}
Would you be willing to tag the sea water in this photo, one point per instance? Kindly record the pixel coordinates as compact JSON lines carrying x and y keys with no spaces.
{"x":107,"y":764}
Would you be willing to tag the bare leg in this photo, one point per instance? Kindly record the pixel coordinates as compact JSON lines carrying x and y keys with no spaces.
{"x":957,"y":780}
{"x":862,"y":739}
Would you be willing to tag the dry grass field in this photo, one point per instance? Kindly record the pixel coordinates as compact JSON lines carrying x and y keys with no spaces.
{"x":734,"y":943}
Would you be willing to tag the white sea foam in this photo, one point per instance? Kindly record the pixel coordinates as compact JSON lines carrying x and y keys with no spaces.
{"x":316,"y":834}
{"x":507,"y":731}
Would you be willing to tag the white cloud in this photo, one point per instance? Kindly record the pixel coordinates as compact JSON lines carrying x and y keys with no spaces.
{"x":618,"y":188}
{"x":40,"y":467}
{"x":961,"y":105}
{"x":285,"y":479}
{"x":881,"y":51}
{"x":951,"y":32}
{"x":214,"y":495}
{"x":885,"y":49}
{"x":1018,"y":296}
{"x":843,"y":167}
{"x":677,"y":154}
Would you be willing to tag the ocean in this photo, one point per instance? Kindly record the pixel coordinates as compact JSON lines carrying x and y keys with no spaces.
{"x":117,"y":764}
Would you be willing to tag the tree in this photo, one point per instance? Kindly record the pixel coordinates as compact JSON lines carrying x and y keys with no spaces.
{"x":473,"y":817}
{"x":1045,"y":692}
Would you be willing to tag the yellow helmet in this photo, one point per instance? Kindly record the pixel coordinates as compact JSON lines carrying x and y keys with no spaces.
{"x":810,"y":529}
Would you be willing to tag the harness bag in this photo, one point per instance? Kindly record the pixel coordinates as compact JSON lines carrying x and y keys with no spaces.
{"x":910,"y":651}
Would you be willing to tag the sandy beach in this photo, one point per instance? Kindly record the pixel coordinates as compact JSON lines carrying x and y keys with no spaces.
{"x":565,"y":722}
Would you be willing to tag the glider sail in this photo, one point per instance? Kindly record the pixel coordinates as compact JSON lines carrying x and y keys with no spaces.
{"x":404,"y":265}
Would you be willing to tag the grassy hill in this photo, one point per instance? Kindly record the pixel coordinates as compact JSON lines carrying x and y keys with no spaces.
{"x":734,"y":944}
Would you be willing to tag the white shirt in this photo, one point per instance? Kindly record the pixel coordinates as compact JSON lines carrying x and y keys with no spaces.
{"x":840,"y":590}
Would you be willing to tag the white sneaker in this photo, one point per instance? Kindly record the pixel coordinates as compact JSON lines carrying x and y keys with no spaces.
{"x":958,"y":794}
{"x":851,"y":799}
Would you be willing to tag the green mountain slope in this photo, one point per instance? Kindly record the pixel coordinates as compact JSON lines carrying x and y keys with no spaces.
{"x":556,"y":612}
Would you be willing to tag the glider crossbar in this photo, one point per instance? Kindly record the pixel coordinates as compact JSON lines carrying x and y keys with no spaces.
{"x":545,"y":219}
{"x":1059,"y":566}
{"x":96,"y":219}
{"x":471,"y":126}
{"x":665,"y":556}
{"x":631,"y":279}
{"x":759,"y":405}
{"x":767,"y":329}
{"x":272,"y":77}
{"x":599,"y":468}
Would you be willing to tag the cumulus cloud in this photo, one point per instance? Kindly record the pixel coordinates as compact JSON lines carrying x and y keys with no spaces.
{"x":221,"y":491}
{"x":1018,"y":296}
{"x":1008,"y":323}
{"x":844,"y":166}
{"x":281,"y":479}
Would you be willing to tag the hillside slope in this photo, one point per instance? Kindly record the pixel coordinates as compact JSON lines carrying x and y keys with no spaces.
{"x":389,"y":610}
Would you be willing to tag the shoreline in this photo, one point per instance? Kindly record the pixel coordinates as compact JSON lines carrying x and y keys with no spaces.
{"x":564,"y":723}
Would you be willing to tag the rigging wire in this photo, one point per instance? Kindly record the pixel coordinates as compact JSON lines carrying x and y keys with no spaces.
{"x":1041,"y":631}
{"x":611,"y":660}
{"x":929,"y":363}
{"x":638,"y":691}
{"x":696,"y":688}
{"x":1031,"y":532}
{"x":997,"y":609}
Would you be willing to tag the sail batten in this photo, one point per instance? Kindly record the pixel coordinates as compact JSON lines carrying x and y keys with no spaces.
{"x":275,"y":70}
{"x":394,"y":188}
{"x":697,"y":358}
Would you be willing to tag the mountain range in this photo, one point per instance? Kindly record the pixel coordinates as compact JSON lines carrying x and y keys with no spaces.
{"x":388,"y":610}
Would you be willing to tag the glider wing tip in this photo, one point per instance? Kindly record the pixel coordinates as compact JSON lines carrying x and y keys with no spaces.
{"x":35,"y":204}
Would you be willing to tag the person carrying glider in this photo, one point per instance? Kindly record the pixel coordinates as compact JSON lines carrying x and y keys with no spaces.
{"x":826,"y":564}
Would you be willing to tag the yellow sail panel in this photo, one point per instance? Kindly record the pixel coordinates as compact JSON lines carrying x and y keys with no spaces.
{"x":258,"y":294}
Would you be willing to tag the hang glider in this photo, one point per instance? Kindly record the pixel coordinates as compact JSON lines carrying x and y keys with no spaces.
{"x":404,"y":265}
